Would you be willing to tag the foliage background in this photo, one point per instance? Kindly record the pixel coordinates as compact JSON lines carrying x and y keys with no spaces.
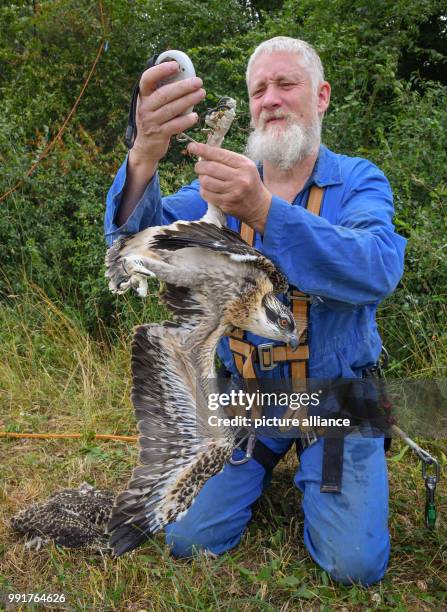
{"x":386,"y":62}
{"x":64,"y":339}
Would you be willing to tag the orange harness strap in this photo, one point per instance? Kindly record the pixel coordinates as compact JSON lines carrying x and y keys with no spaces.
{"x":245,"y":353}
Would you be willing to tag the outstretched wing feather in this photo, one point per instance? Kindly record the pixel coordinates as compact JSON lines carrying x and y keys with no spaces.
{"x":178,"y":450}
{"x":157,"y":242}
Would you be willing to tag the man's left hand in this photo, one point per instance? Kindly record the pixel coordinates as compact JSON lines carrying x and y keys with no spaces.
{"x":231,"y":181}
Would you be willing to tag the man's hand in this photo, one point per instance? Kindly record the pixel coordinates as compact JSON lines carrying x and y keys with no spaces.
{"x":158,"y":117}
{"x":159,"y":111}
{"x":231,"y":181}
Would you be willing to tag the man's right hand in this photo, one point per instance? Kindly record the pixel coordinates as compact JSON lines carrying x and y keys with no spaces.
{"x":158,"y":117}
{"x":159,"y":111}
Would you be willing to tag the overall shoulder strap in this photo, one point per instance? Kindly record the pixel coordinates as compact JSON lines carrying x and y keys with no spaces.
{"x":315,"y":199}
{"x":244,"y":353}
{"x":247,"y":234}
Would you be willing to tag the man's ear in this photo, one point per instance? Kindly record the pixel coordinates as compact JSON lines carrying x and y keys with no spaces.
{"x":323,"y":96}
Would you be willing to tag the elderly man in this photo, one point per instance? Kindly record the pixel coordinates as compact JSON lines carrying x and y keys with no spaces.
{"x":347,"y":259}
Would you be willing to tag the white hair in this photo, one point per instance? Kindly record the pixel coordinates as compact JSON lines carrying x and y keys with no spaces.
{"x":305,"y":52}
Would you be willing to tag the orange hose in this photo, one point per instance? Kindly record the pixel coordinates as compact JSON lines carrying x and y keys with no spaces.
{"x":49,"y":436}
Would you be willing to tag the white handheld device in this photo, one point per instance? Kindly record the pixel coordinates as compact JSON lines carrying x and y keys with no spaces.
{"x":186,"y":70}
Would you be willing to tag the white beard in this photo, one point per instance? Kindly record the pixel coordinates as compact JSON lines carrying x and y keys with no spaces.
{"x":283,"y":146}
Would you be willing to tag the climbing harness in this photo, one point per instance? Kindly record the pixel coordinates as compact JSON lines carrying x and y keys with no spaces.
{"x":268,"y":355}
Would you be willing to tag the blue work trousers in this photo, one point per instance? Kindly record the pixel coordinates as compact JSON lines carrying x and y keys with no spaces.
{"x":346,"y":533}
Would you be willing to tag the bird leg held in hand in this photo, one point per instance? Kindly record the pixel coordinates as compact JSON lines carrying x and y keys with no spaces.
{"x":219,"y":120}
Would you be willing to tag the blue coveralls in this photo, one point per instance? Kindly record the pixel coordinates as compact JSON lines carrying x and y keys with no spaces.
{"x":348,"y":259}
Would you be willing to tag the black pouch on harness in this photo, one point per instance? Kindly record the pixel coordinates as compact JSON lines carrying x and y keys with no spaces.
{"x":364,"y":403}
{"x":360,"y":401}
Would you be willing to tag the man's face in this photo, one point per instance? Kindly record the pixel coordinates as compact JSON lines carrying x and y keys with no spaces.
{"x":286,"y":109}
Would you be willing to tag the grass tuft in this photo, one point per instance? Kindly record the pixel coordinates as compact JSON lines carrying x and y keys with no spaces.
{"x":56,"y":378}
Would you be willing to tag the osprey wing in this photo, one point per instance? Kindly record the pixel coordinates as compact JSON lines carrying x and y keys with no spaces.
{"x":171,"y":244}
{"x":223,"y":240}
{"x":179,"y":451}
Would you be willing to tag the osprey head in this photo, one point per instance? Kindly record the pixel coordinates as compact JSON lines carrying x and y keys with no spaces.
{"x":258,"y":311}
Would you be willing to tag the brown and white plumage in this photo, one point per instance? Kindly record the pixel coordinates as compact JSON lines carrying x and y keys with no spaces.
{"x":122,"y":268}
{"x":74,"y":518}
{"x":178,"y":450}
{"x":213,"y":282}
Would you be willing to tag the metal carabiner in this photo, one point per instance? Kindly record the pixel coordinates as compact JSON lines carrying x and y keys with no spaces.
{"x":430,"y":480}
{"x":429,"y":460}
{"x":251,"y":441}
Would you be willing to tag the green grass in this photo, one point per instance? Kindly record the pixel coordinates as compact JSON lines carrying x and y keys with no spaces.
{"x":55,"y":378}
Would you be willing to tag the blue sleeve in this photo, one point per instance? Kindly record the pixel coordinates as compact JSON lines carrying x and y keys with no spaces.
{"x":358,"y":260}
{"x":152,"y":209}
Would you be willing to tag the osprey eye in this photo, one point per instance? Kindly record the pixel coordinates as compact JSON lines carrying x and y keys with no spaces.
{"x":283,"y":323}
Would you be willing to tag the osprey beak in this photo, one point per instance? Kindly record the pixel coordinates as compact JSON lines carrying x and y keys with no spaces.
{"x":294,"y":342}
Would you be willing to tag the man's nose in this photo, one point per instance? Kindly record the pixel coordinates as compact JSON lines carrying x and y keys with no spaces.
{"x":271,"y":98}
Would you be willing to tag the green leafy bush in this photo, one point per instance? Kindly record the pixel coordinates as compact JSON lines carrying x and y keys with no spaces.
{"x":378,"y":57}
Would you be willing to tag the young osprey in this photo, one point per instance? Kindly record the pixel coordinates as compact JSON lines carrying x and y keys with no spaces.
{"x":74,"y":518}
{"x":213,"y":282}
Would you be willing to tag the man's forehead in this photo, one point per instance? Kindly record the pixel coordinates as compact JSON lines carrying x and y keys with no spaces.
{"x":276,"y":64}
